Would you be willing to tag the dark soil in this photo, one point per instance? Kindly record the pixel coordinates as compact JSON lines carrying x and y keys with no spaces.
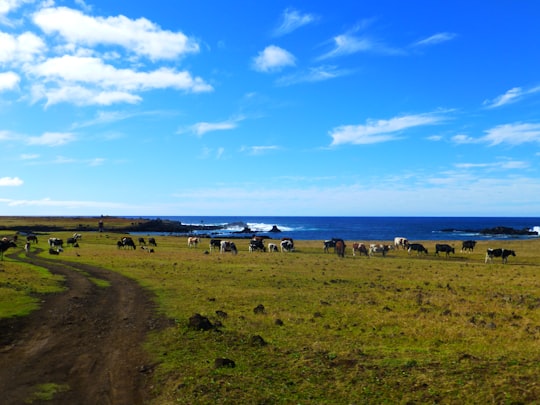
{"x":87,"y":340}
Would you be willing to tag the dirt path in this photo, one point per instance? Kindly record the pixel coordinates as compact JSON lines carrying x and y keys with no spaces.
{"x":87,"y":339}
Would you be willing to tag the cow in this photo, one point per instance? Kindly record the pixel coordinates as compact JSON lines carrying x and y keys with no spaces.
{"x":54,"y":251}
{"x":72,"y":241}
{"x":468,"y":245}
{"x":401,"y":242}
{"x":5,"y":244}
{"x":272,"y":247}
{"x":360,"y":248}
{"x":502,"y":253}
{"x":444,"y":248}
{"x":215,"y":244}
{"x":227,"y":246}
{"x":286,"y":245}
{"x":55,"y":242}
{"x":142,"y":242}
{"x":291,"y":244}
{"x":331,"y":243}
{"x":32,"y":238}
{"x":152,"y":242}
{"x":378,"y":248}
{"x":27,"y":247}
{"x":418,"y":248}
{"x":127,"y":242}
{"x":256,"y":245}
{"x":193,"y":241}
{"x":339,"y":248}
{"x":77,"y":236}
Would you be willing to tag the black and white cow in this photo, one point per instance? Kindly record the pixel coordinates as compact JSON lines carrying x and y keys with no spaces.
{"x":127,"y":242}
{"x":330,"y":243}
{"x":152,"y":242}
{"x":287,"y":245}
{"x":502,"y":253}
{"x":227,"y":246}
{"x":378,"y":248}
{"x":468,"y":245}
{"x":142,"y":242}
{"x":5,"y":244}
{"x":32,"y":238}
{"x":55,"y":242}
{"x":272,"y":247}
{"x":256,"y":245}
{"x":72,"y":241}
{"x":444,"y":248}
{"x":418,"y":248}
{"x":215,"y":244}
{"x":401,"y":242}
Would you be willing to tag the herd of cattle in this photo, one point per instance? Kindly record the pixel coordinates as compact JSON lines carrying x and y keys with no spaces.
{"x":56,"y":245}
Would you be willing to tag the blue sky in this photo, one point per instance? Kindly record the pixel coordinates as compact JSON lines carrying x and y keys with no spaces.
{"x":270,"y":108}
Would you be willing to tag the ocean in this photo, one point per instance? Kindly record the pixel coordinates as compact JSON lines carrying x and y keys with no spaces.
{"x":363,"y":228}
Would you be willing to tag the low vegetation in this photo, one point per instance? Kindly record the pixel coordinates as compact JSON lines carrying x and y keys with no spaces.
{"x":308,"y":327}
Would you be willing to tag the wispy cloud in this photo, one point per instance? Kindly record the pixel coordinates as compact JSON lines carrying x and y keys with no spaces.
{"x":273,"y":59}
{"x":511,"y":96}
{"x":513,"y":134}
{"x":315,"y":74}
{"x":258,"y":150}
{"x":51,"y":139}
{"x":291,"y":20}
{"x":202,"y":128}
{"x":376,"y":131}
{"x":435,"y":39}
{"x":9,"y":81}
{"x":10,"y":182}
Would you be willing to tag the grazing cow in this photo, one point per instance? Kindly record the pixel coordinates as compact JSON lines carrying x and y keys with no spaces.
{"x":32,"y":238}
{"x":128,"y":242}
{"x":5,"y":244}
{"x":418,"y":248}
{"x":286,"y":245}
{"x":227,"y":246}
{"x":360,"y":248}
{"x":378,"y":248}
{"x":256,"y":244}
{"x":291,"y":244}
{"x":468,"y":246}
{"x":272,"y":247}
{"x":401,"y":242}
{"x":56,"y":242}
{"x":502,"y":253}
{"x":54,"y":251}
{"x":27,"y":247}
{"x":152,"y":242}
{"x":142,"y":242}
{"x":339,"y":248}
{"x":329,"y":244}
{"x":444,"y":248}
{"x":215,"y":244}
{"x":193,"y":241}
{"x":72,"y":241}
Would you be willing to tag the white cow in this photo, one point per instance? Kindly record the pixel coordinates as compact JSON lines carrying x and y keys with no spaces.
{"x":401,"y":242}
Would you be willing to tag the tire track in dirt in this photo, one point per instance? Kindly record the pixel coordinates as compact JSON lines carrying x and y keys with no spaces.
{"x":87,"y":339}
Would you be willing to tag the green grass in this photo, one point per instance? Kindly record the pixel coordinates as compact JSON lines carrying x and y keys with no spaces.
{"x":400,"y":329}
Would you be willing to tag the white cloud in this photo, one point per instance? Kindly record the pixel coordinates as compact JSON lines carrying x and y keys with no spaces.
{"x":105,"y":84}
{"x":513,"y":134}
{"x":375,"y":131}
{"x":10,"y":182}
{"x":202,"y":128}
{"x":258,"y":150}
{"x":315,"y":74}
{"x":272,"y":59}
{"x":140,"y":36}
{"x":9,"y":81}
{"x":511,"y":96}
{"x":15,"y":50}
{"x":292,"y":20}
{"x":346,"y":44}
{"x":436,"y":39}
{"x":464,"y":139}
{"x":51,"y":139}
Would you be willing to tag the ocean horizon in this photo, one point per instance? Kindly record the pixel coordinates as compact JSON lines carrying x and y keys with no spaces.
{"x":360,"y":228}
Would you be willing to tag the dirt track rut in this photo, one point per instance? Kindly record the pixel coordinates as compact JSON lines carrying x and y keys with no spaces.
{"x":86,"y":340}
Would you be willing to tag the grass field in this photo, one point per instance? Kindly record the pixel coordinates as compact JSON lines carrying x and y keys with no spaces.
{"x":353,"y":330}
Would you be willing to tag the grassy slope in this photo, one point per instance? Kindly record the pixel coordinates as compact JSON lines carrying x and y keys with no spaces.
{"x":355,"y":330}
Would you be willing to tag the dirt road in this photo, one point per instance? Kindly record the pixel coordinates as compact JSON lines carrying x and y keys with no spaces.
{"x":87,"y":341}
